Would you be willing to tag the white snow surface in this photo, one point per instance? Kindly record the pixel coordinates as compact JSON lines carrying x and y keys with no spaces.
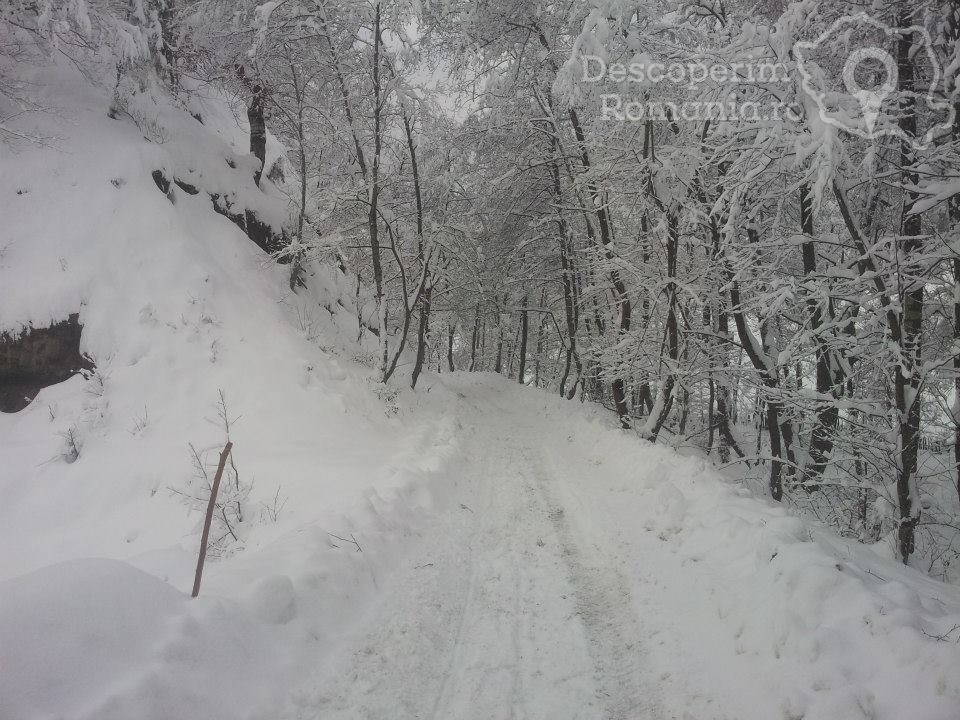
{"x":472,"y":550}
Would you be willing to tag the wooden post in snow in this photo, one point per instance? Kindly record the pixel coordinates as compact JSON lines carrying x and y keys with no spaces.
{"x":211,"y":504}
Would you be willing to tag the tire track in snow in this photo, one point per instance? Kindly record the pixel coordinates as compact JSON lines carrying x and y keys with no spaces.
{"x":455,"y":653}
{"x":497,"y":615}
{"x":495,"y":646}
{"x":605,"y":608}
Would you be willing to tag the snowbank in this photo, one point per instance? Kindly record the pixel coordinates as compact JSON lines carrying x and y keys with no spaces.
{"x":100,"y":639}
{"x":751,"y":612}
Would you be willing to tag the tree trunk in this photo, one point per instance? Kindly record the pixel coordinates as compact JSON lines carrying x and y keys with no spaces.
{"x":825,"y":422}
{"x":711,"y":423}
{"x":644,"y":394}
{"x":907,"y":380}
{"x":296,"y":268}
{"x":166,"y":14}
{"x":567,"y":279}
{"x":498,"y":363}
{"x":380,"y":299}
{"x":524,"y":331}
{"x":721,"y":391}
{"x":474,"y":339}
{"x":451,"y":330}
{"x":664,"y":400}
{"x":423,"y":330}
{"x":483,"y":343}
{"x":540,"y":333}
{"x":777,"y":427}
{"x":776,"y":452}
{"x":258,"y":129}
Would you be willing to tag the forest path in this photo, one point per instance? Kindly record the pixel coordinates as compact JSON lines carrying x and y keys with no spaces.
{"x":502,"y":613}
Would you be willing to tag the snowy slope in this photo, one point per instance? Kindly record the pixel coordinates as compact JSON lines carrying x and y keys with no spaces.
{"x":176,"y":304}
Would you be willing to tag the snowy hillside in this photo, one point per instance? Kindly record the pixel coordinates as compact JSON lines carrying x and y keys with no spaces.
{"x":471,"y":548}
{"x":176,"y":305}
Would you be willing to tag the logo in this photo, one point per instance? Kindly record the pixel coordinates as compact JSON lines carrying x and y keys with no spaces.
{"x":866,"y":105}
{"x":705,"y":79}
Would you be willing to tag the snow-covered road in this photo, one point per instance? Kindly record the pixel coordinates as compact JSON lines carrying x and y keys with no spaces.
{"x":579,"y":573}
{"x":502,"y":612}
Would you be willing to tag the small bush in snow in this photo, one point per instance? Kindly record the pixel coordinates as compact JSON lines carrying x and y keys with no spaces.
{"x":270,"y":512}
{"x":388,"y":396}
{"x":230,"y":516}
{"x":133,"y":98}
{"x":72,"y":444}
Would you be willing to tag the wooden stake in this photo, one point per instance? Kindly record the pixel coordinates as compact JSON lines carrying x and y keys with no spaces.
{"x":211,"y":505}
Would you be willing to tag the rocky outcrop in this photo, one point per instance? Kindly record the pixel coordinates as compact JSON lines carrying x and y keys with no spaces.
{"x":36,"y":358}
{"x":260,"y":232}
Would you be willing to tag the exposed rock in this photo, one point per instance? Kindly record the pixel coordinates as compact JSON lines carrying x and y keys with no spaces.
{"x":260,"y":232}
{"x":36,"y":358}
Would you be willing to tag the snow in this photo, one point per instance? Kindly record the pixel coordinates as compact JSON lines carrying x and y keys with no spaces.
{"x":754,"y":613}
{"x":99,"y":639}
{"x":472,"y":550}
{"x":593,"y":575}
